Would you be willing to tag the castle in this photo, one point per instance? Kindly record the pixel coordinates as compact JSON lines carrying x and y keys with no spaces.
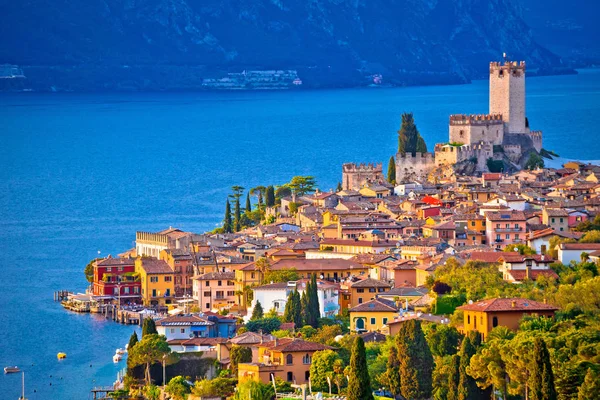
{"x":502,"y":135}
{"x":355,"y":176}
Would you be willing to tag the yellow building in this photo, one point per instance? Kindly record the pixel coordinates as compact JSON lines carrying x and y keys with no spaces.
{"x":157,"y":283}
{"x":485,"y":315}
{"x":377,"y":191}
{"x":357,"y":246}
{"x":372,"y":315}
{"x":245,"y":278}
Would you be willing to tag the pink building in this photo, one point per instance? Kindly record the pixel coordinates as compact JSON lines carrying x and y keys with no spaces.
{"x":505,"y":227}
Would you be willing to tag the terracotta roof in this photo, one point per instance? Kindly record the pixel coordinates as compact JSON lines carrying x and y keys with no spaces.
{"x":368,"y":283}
{"x":251,"y":338}
{"x":364,"y":243}
{"x":492,"y":176}
{"x":557,"y":212}
{"x":490,"y":256}
{"x":316,"y":264}
{"x":373,"y":337}
{"x":511,"y":257}
{"x":541,"y":233}
{"x":371,"y":258}
{"x":511,"y":304}
{"x":505,"y":216}
{"x":222,"y":276}
{"x":152,"y":266}
{"x":375,"y":305}
{"x":294,"y":345}
{"x":580,"y":246}
{"x":117,"y":261}
{"x":197,"y":341}
{"x":183,"y":320}
{"x":519,"y":275}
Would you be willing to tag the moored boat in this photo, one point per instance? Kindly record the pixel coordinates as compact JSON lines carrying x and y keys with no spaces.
{"x":117,"y":357}
{"x":11,"y":370}
{"x":60,"y":356}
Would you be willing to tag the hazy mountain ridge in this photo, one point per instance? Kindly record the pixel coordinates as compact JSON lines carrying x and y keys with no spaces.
{"x":175,"y":43}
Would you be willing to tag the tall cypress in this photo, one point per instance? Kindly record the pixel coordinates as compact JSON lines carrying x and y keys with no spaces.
{"x":359,"y":383}
{"x":467,"y":387}
{"x":304,"y":307}
{"x":590,"y":388}
{"x":409,"y":139}
{"x":313,"y":311}
{"x":453,"y":378}
{"x":237,"y":215}
{"x":339,"y":187}
{"x":148,"y":327}
{"x":270,"y":196}
{"x":257,"y":312}
{"x":416,"y":361}
{"x":391,"y":174}
{"x":392,"y":376}
{"x":227,"y":226}
{"x":542,"y":378}
{"x":293,"y":309}
{"x":248,"y":205}
{"x":133,"y":339}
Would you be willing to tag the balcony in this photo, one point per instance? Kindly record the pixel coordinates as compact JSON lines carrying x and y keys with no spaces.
{"x":509,"y":230}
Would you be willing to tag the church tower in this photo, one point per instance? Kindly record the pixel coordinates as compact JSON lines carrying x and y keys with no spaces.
{"x":507,"y":94}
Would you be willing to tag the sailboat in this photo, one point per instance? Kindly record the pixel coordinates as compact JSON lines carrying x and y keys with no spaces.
{"x":23,"y":387}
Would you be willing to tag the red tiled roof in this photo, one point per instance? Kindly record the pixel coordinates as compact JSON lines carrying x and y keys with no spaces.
{"x":490,"y":256}
{"x":511,"y":257}
{"x":580,"y":246}
{"x":520,"y":275}
{"x":287,"y":345}
{"x":152,"y":266}
{"x":492,"y":176}
{"x":117,"y":261}
{"x":376,"y":305}
{"x":368,"y":283}
{"x":511,"y":304}
{"x":506,"y":216}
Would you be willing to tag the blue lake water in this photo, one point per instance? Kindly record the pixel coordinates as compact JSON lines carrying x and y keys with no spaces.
{"x":80,"y":173}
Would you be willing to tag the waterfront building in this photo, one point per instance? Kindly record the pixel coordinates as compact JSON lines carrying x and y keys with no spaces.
{"x":181,"y":262}
{"x":151,"y":244}
{"x":116,"y":277}
{"x":203,"y":325}
{"x":157,"y":283}
{"x":215,"y":291}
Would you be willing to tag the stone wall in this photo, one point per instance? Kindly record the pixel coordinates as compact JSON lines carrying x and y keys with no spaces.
{"x":355,"y":176}
{"x":470,"y":129}
{"x":411,"y":168}
{"x":507,"y":94}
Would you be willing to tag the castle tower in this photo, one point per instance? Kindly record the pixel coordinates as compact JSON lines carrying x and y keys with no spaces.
{"x":507,"y":94}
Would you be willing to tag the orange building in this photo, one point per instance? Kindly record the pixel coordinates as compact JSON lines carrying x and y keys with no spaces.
{"x":366,"y":290}
{"x":485,"y":315}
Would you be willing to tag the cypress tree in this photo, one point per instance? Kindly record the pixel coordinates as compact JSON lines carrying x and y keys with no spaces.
{"x":270,"y":196}
{"x":590,"y":388}
{"x":467,"y":387}
{"x":453,"y":378}
{"x":391,"y":175}
{"x":339,"y":187}
{"x":391,"y":376}
{"x":227,"y":226}
{"x":133,"y":339}
{"x":293,"y":309}
{"x":248,"y":205}
{"x":304,"y":307}
{"x":359,"y":383}
{"x":257,"y":312}
{"x":312,"y":303}
{"x":409,"y":139}
{"x":237,"y":215}
{"x":416,"y":361}
{"x":148,"y":327}
{"x":542,"y":378}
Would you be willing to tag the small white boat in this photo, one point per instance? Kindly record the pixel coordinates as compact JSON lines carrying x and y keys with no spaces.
{"x":117,"y":358}
{"x":11,"y":370}
{"x":121,"y":351}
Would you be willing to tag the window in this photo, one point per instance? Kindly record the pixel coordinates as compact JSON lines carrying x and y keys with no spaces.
{"x":230,"y":283}
{"x":381,"y":290}
{"x":126,"y":290}
{"x":206,"y":294}
{"x":120,"y":269}
{"x":207,"y":284}
{"x":252,"y":275}
{"x":468,"y":319}
{"x":116,"y":290}
{"x":561,"y":228}
{"x":153,"y":292}
{"x":373,"y":322}
{"x":553,"y":220}
{"x":306,"y":359}
{"x":361,"y":290}
{"x":154,"y":279}
{"x":290,"y":376}
{"x":172,"y":330}
{"x":219,"y":283}
{"x":543,"y":249}
{"x":384,"y":321}
{"x":207,"y":305}
{"x":517,"y":236}
{"x":306,"y":375}
{"x":494,"y":322}
{"x":276,"y":305}
{"x":507,"y":226}
{"x":108,"y":269}
{"x":136,"y":290}
{"x":475,"y":322}
{"x":529,"y":263}
{"x":372,"y":290}
{"x":289,"y":359}
{"x":360,"y":300}
{"x":497,"y":226}
{"x":516,"y":226}
{"x":507,"y":236}
{"x":168,"y":278}
{"x":472,"y":223}
{"x":498,"y":237}
{"x":230,"y":293}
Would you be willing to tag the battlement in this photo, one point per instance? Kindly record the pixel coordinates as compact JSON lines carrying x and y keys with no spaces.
{"x":362,"y":167}
{"x":409,"y":157}
{"x":514,"y":68}
{"x":475,"y":119}
{"x":535,"y":134}
{"x":151,"y":238}
{"x":448,"y":148}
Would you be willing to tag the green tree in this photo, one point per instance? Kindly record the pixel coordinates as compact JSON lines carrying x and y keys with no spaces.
{"x":416,"y":361}
{"x":257,"y":312}
{"x":89,"y":270}
{"x":259,"y":192}
{"x":304,"y":305}
{"x":237,"y":355}
{"x":149,"y":327}
{"x":227,"y":224}
{"x":238,"y":191}
{"x":270,"y":196}
{"x":590,"y":237}
{"x":409,"y":139}
{"x":535,"y":161}
{"x":255,"y":391}
{"x":282,"y":275}
{"x":151,"y":349}
{"x":133,"y":339}
{"x":391,"y":377}
{"x":248,"y":208}
{"x":266,"y":325}
{"x":312,"y":311}
{"x":590,"y":389}
{"x":178,"y":388}
{"x":321,"y":368}
{"x":293,"y":309}
{"x":359,"y":383}
{"x":152,"y":392}
{"x":326,"y":334}
{"x":443,"y":340}
{"x":339,"y":187}
{"x":391,"y":174}
{"x":302,"y":185}
{"x":467,"y":388}
{"x":542,"y":378}
{"x":217,"y":387}
{"x":520,"y":248}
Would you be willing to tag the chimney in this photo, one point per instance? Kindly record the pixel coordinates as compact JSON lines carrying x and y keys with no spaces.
{"x":514,"y":304}
{"x":276,"y":341}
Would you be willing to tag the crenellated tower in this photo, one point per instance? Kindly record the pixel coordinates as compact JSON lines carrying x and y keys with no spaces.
{"x":507,"y":94}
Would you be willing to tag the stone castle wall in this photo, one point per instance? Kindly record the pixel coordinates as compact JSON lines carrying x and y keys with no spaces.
{"x":471,"y":129}
{"x":411,"y":168}
{"x":355,"y":176}
{"x":449,"y":155}
{"x":507,"y":94}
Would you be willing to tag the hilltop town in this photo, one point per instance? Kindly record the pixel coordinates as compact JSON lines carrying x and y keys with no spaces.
{"x":469,"y":256}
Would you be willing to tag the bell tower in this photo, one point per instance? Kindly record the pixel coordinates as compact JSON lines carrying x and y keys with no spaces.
{"x":507,"y":94}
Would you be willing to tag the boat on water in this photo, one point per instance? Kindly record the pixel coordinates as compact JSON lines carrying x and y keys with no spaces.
{"x":117,"y":357}
{"x":60,"y":356}
{"x":121,"y":351}
{"x":11,"y":370}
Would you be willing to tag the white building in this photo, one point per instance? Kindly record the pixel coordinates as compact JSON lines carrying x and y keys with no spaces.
{"x":568,"y":252}
{"x":275,"y":296}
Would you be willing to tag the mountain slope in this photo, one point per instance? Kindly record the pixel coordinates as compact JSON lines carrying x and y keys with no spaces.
{"x":330,"y":42}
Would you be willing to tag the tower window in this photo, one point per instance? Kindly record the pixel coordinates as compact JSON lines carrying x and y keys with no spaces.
{"x":461,"y":133}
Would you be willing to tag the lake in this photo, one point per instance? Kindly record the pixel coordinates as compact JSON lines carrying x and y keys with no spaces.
{"x":80,"y":173}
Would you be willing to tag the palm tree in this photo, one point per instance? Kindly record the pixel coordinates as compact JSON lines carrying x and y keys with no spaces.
{"x":259,"y":192}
